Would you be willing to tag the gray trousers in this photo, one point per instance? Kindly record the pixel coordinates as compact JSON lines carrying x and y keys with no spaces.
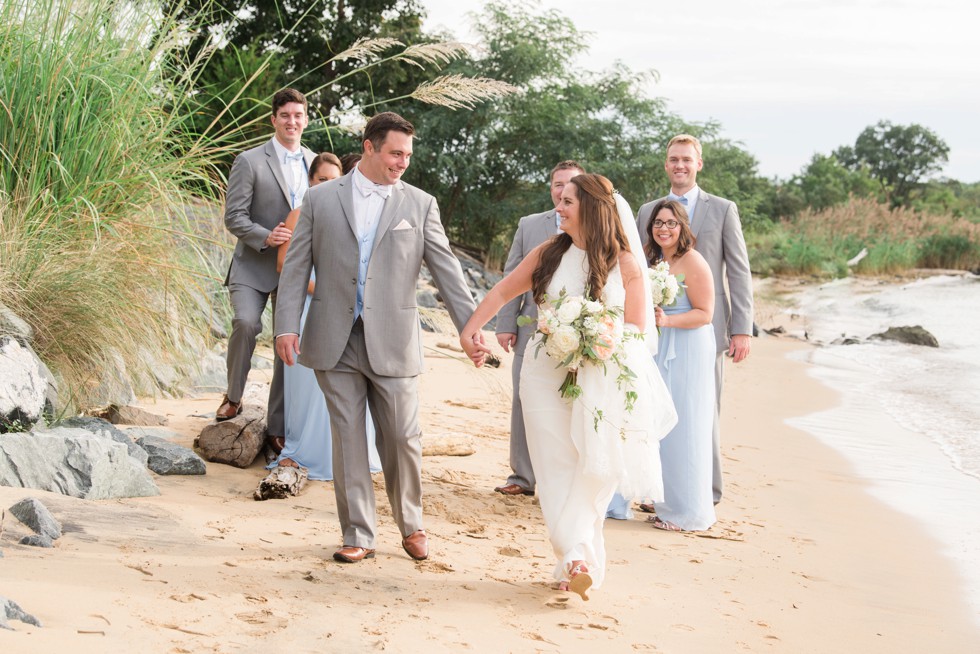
{"x":349,"y":388}
{"x":248,"y":305}
{"x":522,"y":473}
{"x":716,"y":480}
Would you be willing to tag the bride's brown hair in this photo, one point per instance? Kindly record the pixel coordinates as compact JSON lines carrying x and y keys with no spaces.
{"x":601,"y":230}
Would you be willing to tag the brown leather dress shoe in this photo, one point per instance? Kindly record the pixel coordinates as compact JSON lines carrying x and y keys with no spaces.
{"x":228,"y":409}
{"x":350,"y":554}
{"x":417,"y":545}
{"x":513,"y":489}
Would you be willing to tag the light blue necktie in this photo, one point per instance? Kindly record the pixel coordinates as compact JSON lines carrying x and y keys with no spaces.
{"x":297,"y":189}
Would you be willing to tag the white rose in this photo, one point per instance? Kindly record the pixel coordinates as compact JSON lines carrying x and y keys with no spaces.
{"x":593,"y":307}
{"x":569,"y":310}
{"x":565,"y":340}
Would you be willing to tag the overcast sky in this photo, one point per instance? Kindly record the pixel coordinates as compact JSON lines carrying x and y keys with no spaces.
{"x":790,"y":78}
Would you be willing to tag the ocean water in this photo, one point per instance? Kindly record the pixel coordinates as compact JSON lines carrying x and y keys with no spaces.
{"x":909,"y":418}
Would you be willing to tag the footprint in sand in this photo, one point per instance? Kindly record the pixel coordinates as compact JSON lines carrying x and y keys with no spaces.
{"x":509,"y":551}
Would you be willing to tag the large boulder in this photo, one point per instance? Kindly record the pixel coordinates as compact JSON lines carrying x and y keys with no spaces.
{"x":129,"y":415}
{"x":27,"y":388}
{"x":73,"y":462}
{"x":105,"y":429}
{"x":166,"y":458}
{"x":13,"y":325}
{"x":914,"y":335}
{"x":237,"y":441}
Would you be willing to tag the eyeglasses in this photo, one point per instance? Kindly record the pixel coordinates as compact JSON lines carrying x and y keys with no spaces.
{"x":670,"y":224}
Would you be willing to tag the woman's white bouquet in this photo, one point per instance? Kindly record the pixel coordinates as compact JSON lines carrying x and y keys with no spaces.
{"x":664,"y":287}
{"x":575,"y":331}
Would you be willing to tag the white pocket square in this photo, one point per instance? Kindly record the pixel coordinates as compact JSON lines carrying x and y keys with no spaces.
{"x":404,"y":224}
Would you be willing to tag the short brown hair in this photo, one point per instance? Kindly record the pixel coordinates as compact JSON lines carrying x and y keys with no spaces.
{"x":378,"y":127}
{"x":284,"y":97}
{"x":686,"y":139}
{"x":685,"y":241}
{"x":567,"y":164}
{"x":325,"y":158}
{"x":348,"y":161}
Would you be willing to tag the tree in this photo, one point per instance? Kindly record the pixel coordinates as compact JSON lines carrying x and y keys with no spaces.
{"x":489,"y":166}
{"x":824,"y":182}
{"x":897,"y":156}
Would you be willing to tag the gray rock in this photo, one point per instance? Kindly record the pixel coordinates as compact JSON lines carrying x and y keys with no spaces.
{"x":37,"y":540}
{"x":106,"y":429}
{"x":426,"y":299}
{"x":210,"y":374}
{"x":166,"y":458}
{"x":13,"y":325}
{"x":24,"y":382}
{"x":73,"y":462}
{"x":114,"y":385}
{"x":166,"y":434}
{"x":129,"y":415}
{"x":12,"y":611}
{"x":35,"y":515}
{"x":237,"y":441}
{"x":911,"y":335}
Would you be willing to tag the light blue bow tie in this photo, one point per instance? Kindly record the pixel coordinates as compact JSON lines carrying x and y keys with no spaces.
{"x":679,"y":198}
{"x":294,"y":156}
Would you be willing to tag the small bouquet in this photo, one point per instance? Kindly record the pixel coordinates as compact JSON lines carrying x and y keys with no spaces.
{"x":574,"y":331}
{"x":664,"y":287}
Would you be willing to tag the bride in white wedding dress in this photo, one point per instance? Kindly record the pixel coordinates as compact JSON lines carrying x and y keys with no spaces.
{"x":584,"y":450}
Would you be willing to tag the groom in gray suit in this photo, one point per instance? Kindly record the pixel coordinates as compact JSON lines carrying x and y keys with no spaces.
{"x":264,"y":184}
{"x":532,"y":231}
{"x":718,"y":231}
{"x":366,"y":234}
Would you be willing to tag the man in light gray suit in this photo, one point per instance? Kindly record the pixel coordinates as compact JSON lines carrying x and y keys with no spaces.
{"x":718,"y":231}
{"x":366,"y":234}
{"x":532,"y":231}
{"x":264,"y":184}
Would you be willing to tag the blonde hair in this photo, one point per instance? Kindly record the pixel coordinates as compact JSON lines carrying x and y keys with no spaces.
{"x":686,"y":139}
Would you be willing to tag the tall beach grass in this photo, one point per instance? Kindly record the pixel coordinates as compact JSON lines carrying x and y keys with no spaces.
{"x":94,"y":247}
{"x":822,"y":242}
{"x":111,"y":243}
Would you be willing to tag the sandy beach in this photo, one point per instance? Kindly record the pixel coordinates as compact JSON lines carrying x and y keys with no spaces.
{"x":802,"y":559}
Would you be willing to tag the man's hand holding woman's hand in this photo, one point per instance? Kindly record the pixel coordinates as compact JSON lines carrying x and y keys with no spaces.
{"x":475,"y":347}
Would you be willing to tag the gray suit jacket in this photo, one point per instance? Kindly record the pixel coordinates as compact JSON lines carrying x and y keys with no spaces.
{"x":718,"y":230}
{"x":532,"y":231}
{"x":257,"y":200}
{"x":325,"y":239}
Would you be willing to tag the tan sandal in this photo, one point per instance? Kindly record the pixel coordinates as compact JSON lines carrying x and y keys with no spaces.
{"x":663,"y":525}
{"x":580,"y":581}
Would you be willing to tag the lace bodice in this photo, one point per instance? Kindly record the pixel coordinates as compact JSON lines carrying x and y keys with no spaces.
{"x":572,"y":274}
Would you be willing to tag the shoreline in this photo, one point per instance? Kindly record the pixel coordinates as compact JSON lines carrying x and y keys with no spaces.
{"x":803,"y":559}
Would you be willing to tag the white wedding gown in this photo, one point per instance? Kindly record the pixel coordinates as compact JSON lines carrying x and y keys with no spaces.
{"x":580,"y":462}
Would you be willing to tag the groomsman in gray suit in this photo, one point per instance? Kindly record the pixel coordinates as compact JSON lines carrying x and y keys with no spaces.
{"x":366,"y":234}
{"x":532,"y":231}
{"x":265,"y":183}
{"x":718,"y":231}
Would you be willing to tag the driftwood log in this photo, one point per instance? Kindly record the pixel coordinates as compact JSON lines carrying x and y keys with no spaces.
{"x":236,"y":441}
{"x":281,"y":482}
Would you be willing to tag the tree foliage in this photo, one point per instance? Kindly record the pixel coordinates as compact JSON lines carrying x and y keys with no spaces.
{"x":897,"y":156}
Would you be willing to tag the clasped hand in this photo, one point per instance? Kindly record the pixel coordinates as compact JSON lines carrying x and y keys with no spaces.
{"x":475,"y":347}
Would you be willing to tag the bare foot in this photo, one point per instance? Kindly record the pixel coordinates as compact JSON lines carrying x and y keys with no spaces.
{"x":288,"y":463}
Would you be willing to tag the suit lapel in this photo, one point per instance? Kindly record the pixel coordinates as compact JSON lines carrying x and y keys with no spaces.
{"x":346,"y":194}
{"x":389,"y":212}
{"x":547,"y":227}
{"x":273,"y":160}
{"x":700,"y":212}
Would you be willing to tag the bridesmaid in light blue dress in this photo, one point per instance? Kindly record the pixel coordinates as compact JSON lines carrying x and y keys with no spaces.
{"x":308,"y":438}
{"x":686,"y":359}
